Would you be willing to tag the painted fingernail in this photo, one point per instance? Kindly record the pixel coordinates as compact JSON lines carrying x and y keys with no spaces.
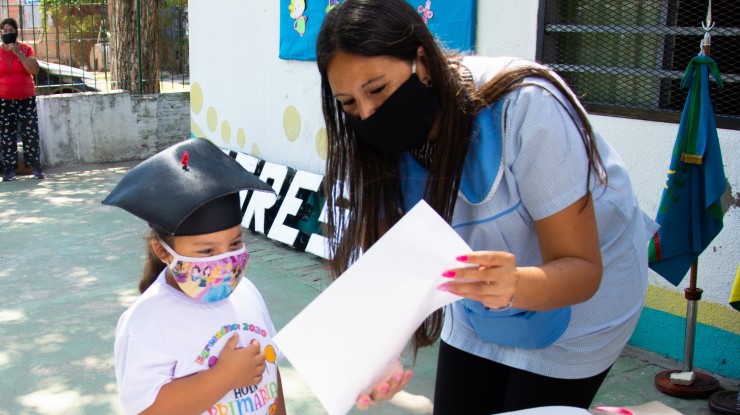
{"x":409,"y":374}
{"x":384,"y":389}
{"x":449,"y":274}
{"x":443,"y":287}
{"x":462,"y":258}
{"x":365,"y":401}
{"x":398,"y":378}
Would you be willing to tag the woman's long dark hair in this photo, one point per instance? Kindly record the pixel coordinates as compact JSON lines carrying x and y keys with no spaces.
{"x":363,"y":183}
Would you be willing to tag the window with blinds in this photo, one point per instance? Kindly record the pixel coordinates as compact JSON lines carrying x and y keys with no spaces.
{"x":627,"y":57}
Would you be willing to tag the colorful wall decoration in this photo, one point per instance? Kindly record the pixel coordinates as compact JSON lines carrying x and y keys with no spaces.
{"x":452,"y":21}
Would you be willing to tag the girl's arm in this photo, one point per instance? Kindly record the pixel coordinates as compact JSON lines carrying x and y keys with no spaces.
{"x":195,"y":394}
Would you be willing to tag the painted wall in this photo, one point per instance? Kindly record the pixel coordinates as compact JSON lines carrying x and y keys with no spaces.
{"x":246,"y":99}
{"x":101,"y":128}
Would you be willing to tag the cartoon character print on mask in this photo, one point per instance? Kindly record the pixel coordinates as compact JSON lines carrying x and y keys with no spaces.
{"x":208,"y":279}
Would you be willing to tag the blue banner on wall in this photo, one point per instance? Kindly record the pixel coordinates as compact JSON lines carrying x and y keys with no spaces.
{"x":451,"y":21}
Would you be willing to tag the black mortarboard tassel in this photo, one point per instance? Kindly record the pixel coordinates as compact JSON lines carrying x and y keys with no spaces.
{"x":191,"y":188}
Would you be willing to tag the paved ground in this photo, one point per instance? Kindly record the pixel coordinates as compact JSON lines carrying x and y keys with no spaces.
{"x":69,"y":267}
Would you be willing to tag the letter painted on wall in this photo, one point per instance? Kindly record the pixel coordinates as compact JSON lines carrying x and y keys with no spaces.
{"x":295,"y":217}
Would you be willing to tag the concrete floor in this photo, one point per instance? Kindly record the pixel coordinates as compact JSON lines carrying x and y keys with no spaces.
{"x":69,"y":267}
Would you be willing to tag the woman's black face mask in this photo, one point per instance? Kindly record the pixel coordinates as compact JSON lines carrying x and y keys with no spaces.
{"x":9,"y":38}
{"x":402,"y":122}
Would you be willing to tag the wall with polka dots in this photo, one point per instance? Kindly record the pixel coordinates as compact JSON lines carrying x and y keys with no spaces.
{"x":243,"y":97}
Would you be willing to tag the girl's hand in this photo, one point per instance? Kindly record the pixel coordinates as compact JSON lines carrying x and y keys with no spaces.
{"x":492,"y":282}
{"x":241,"y":367}
{"x":392,"y":382}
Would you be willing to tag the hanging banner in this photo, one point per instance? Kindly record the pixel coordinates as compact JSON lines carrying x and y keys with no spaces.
{"x":451,"y":21}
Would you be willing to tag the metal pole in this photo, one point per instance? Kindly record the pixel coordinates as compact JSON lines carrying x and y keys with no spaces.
{"x":693,"y":295}
{"x":706,"y":42}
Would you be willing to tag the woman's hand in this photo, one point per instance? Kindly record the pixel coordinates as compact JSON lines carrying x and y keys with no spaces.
{"x":242,"y":367}
{"x":492,"y":280}
{"x":392,"y":382}
{"x":30,"y":64}
{"x":16,"y":49}
{"x":570,"y":272}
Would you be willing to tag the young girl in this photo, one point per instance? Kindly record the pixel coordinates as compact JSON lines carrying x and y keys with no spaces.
{"x":199,"y":339}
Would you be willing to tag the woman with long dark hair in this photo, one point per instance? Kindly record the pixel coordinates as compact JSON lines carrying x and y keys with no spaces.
{"x":504,"y":152}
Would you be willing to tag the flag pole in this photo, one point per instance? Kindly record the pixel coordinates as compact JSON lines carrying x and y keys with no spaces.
{"x":692,"y":295}
{"x":686,"y":383}
{"x":693,"y":385}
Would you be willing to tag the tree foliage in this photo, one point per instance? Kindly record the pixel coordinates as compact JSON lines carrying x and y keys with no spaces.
{"x":70,"y":17}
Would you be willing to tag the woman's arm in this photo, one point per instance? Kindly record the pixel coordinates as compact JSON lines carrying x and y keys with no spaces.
{"x":29,"y":62}
{"x":236,"y":368}
{"x":570,"y":274}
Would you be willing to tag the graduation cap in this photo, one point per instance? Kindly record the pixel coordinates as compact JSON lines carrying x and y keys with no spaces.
{"x":191,"y":188}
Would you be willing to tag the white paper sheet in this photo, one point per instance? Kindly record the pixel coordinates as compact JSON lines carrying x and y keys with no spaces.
{"x":345,"y":339}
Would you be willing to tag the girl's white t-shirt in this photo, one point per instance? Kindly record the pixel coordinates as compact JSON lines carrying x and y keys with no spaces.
{"x":166,"y":335}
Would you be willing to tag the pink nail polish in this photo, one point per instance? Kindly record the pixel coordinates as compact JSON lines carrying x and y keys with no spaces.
{"x":462,"y":258}
{"x":409,"y":374}
{"x":449,"y":274}
{"x":384,"y":389}
{"x":365,"y":401}
{"x":443,"y":287}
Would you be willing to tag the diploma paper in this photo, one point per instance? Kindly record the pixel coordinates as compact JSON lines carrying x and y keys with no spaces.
{"x":344,"y":340}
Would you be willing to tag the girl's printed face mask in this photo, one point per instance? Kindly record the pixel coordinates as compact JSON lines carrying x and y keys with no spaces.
{"x":208,"y":279}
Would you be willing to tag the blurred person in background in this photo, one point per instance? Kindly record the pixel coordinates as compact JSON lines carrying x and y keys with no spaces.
{"x":18,"y":103}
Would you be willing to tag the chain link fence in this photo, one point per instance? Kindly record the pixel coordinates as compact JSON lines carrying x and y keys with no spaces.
{"x":72,"y":39}
{"x":627,"y":57}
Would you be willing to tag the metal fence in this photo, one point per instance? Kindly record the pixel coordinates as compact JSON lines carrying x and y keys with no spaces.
{"x":627,"y":57}
{"x":71,"y":40}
